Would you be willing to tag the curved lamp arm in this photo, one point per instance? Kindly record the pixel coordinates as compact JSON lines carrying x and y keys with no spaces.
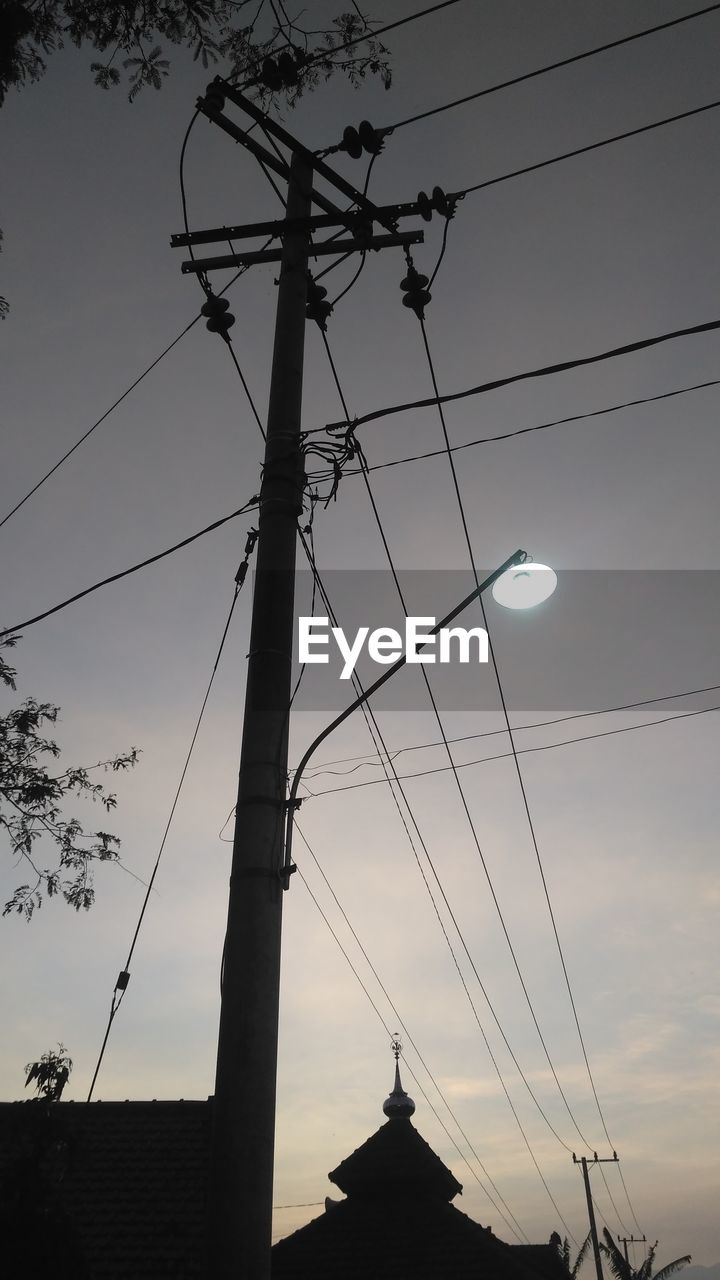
{"x":293,"y":803}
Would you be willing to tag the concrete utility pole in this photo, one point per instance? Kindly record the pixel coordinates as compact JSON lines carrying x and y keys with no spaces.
{"x":242,"y":1148}
{"x":241,"y":1161}
{"x":591,"y":1210}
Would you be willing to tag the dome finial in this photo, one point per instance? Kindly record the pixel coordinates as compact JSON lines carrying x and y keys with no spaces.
{"x":398,"y":1104}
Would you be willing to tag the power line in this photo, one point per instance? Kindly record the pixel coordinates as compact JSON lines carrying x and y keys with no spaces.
{"x":115,"y":577}
{"x":521,"y":751}
{"x":374,"y":729}
{"x":518,"y":728}
{"x":115,"y":404}
{"x":521,"y":781}
{"x":543,"y":371}
{"x":417,"y":1051}
{"x":379,"y":31}
{"x":541,"y":426}
{"x":124,"y":977}
{"x":592,"y":146}
{"x":552,"y":66}
{"x":463,"y":799}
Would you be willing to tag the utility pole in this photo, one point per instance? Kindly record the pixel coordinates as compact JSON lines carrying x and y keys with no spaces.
{"x":591,"y":1210}
{"x":241,"y":1161}
{"x":240,"y":1184}
{"x":626,"y":1240}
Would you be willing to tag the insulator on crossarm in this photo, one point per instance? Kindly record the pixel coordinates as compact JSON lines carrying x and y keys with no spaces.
{"x":364,"y":138}
{"x":214,"y":96}
{"x":371,"y":139}
{"x":437,"y":203}
{"x":219,"y":319}
{"x":351,"y":142}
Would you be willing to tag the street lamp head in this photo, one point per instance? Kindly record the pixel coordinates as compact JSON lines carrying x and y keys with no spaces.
{"x":524,"y":585}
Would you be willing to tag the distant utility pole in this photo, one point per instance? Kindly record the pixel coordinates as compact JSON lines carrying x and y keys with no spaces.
{"x":242,"y":1145}
{"x":591,"y":1210}
{"x":626,"y":1240}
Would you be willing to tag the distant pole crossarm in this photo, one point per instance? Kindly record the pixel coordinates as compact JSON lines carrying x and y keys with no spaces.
{"x":519,"y":557}
{"x":613,"y":1159}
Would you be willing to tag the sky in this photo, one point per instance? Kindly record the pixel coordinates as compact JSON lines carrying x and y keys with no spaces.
{"x":600,"y":250}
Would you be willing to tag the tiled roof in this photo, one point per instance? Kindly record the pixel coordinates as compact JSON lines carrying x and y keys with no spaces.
{"x":116,"y":1191}
{"x":129,"y":1177}
{"x":395,"y":1160}
{"x":397,"y":1240}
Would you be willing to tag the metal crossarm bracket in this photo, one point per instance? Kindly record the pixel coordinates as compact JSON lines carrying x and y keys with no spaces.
{"x":198,"y":266}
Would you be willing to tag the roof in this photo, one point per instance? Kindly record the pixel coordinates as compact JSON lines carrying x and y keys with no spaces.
{"x":395,"y":1160}
{"x":116,"y":1191}
{"x":399,"y":1240}
{"x":116,"y":1186}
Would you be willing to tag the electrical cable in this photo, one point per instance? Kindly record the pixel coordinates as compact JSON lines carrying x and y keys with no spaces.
{"x":456,"y":776}
{"x":324,"y":766}
{"x":541,"y":426}
{"x":122,"y":984}
{"x":521,"y":751}
{"x":348,"y":44}
{"x":115,"y":577}
{"x":552,"y":66}
{"x":374,"y":730}
{"x":518,"y":770}
{"x":419,"y":1055}
{"x":543,"y":371}
{"x":580,"y":151}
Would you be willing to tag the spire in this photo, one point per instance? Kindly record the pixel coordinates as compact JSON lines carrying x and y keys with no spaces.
{"x":398,"y":1105}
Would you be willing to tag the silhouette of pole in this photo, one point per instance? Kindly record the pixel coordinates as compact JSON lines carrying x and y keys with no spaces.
{"x":243,"y":1129}
{"x":591,"y":1216}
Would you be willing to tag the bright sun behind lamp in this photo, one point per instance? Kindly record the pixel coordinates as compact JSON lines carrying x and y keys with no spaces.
{"x":524,"y":586}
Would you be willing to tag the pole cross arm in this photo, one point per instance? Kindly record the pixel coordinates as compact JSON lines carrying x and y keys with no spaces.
{"x":279,"y":227}
{"x":198,"y":266}
{"x":519,"y":557}
{"x":282,"y":135}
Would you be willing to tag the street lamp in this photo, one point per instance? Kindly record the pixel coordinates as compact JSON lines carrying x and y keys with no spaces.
{"x":524,"y":585}
{"x":517,"y":584}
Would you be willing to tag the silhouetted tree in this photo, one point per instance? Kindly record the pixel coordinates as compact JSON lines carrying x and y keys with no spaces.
{"x":49,"y":1074}
{"x":31,"y":798}
{"x":239,"y":33}
{"x":37,"y":1237}
{"x":248,"y":38}
{"x":623,"y":1270}
{"x":564,"y":1254}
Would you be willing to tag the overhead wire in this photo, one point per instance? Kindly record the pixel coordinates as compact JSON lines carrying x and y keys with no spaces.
{"x":124,"y":573}
{"x":585,"y":150}
{"x":324,"y":767}
{"x":420,"y":1057}
{"x":542,"y":371}
{"x":376,"y":735}
{"x":122,"y":984}
{"x":521,"y":751}
{"x":540,"y":426}
{"x":379,"y":31}
{"x":461,"y":791}
{"x":462,"y":941}
{"x":518,"y":770}
{"x":551,"y":66}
